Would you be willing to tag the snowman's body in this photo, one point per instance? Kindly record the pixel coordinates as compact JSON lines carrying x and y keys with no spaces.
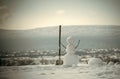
{"x":70,"y":58}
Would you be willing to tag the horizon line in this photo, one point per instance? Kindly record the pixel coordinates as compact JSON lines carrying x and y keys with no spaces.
{"x":53,"y":26}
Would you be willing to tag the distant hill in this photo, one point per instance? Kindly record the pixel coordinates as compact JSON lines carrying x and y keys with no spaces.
{"x":98,"y":36}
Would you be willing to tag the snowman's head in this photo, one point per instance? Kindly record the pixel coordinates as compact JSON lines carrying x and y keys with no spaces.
{"x":70,"y":40}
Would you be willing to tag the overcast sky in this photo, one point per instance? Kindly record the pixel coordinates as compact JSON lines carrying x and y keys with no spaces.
{"x":26,"y":14}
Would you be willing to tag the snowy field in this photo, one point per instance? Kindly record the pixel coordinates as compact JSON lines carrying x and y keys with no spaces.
{"x":82,"y":71}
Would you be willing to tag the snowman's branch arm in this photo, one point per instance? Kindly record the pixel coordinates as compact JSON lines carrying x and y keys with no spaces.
{"x":63,"y":45}
{"x":77,"y":44}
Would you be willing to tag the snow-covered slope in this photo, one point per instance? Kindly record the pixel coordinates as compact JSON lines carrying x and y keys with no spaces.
{"x":47,"y":38}
{"x":83,"y":71}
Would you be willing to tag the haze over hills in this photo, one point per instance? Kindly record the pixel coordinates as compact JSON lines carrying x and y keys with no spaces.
{"x":98,"y":36}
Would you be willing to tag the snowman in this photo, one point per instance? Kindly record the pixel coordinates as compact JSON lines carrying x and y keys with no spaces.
{"x":70,"y":58}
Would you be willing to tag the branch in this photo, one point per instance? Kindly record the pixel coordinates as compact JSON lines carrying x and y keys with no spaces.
{"x":63,"y":45}
{"x":77,"y":44}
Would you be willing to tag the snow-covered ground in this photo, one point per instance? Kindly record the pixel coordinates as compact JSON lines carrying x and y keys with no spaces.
{"x":82,"y":71}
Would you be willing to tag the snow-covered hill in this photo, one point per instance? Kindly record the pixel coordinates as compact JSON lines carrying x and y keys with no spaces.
{"x":47,"y":38}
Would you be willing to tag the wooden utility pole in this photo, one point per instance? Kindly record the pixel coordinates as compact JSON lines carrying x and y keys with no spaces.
{"x":59,"y":61}
{"x":59,"y":43}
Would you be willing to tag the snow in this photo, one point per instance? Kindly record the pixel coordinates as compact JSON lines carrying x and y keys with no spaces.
{"x":95,"y":62}
{"x":70,"y":59}
{"x":82,"y":71}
